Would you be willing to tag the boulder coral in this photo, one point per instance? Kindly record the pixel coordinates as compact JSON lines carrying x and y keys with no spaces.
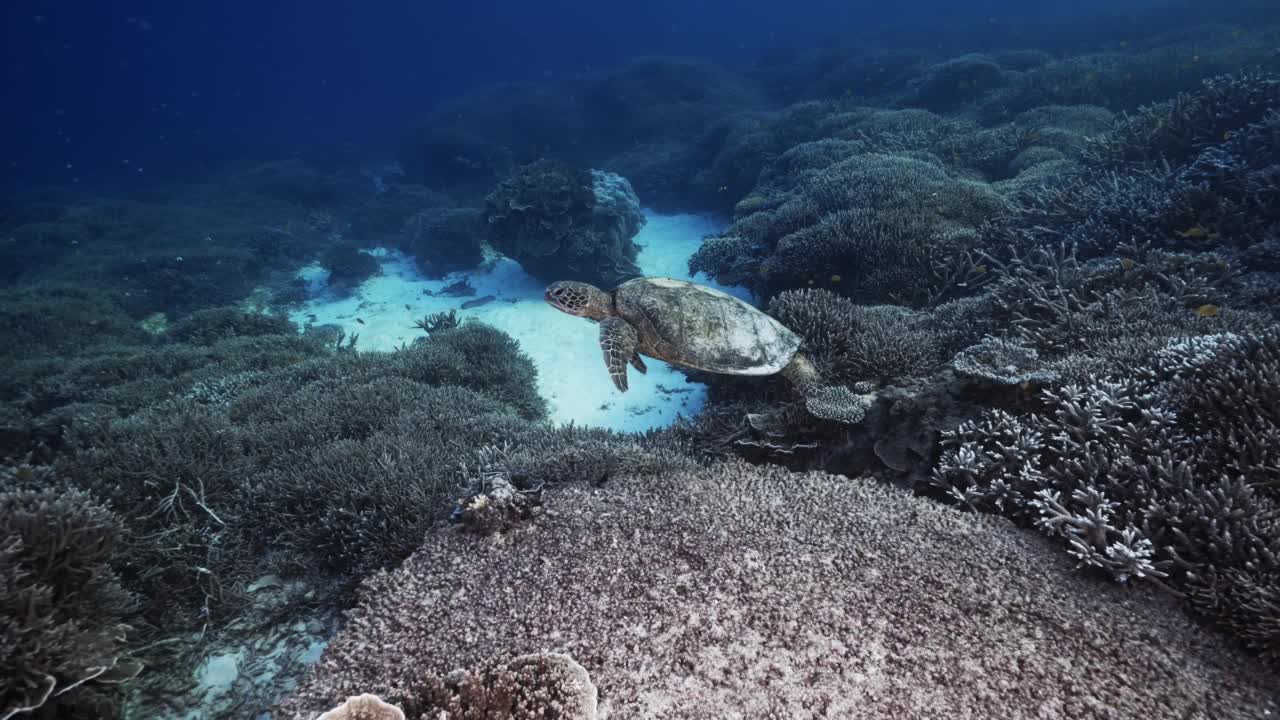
{"x":563,"y":223}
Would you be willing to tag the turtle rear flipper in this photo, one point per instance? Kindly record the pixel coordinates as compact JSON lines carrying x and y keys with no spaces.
{"x":836,"y":403}
{"x":638,"y":364}
{"x":618,"y":340}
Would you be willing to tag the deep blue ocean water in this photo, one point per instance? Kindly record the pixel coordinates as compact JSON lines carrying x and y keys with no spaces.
{"x":101,"y":92}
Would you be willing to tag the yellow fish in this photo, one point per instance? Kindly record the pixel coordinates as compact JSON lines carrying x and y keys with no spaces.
{"x":1208,"y":310}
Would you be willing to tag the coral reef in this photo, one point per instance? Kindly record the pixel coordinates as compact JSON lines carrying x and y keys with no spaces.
{"x":363,"y":707}
{"x":560,"y":223}
{"x":444,"y":240}
{"x":63,"y":613}
{"x":1168,"y":477}
{"x":538,"y":685}
{"x":876,"y":228}
{"x":958,"y":81}
{"x":1037,"y":283}
{"x":756,"y":591}
{"x":1195,"y":173}
{"x":879,"y":343}
{"x":348,"y":266}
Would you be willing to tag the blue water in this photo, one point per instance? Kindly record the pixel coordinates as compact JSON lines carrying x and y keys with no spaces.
{"x":104,"y":92}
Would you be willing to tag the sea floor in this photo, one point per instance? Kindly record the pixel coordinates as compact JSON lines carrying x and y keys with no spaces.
{"x":571,"y":372}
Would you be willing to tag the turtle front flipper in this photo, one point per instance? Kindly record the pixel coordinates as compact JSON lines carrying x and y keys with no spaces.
{"x":618,"y":340}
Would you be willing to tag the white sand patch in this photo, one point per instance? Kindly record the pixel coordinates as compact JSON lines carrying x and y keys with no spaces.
{"x":565,"y":349}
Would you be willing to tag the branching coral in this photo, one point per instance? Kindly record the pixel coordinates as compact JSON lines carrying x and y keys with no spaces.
{"x":855,"y":342}
{"x":1196,"y":174}
{"x":1109,"y":315}
{"x":1170,"y":477}
{"x":62,"y":609}
{"x":1176,"y":130}
{"x":874,"y":227}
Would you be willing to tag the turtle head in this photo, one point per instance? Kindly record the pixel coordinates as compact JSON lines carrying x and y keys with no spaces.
{"x":580,"y":299}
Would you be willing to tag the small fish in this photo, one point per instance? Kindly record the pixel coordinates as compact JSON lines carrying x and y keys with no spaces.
{"x":360,"y":321}
{"x":1195,"y":232}
{"x":1208,"y":310}
{"x":406,"y":306}
{"x":1126,"y":263}
{"x":478,"y":302}
{"x":836,"y":278}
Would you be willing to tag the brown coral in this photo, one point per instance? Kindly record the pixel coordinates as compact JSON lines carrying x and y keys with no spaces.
{"x":364,"y":707}
{"x":538,"y":686}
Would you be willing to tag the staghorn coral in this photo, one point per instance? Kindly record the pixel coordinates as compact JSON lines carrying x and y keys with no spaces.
{"x":1174,"y":131}
{"x":1196,"y":174}
{"x":482,"y":358}
{"x":63,"y":613}
{"x":337,"y":462}
{"x":1124,"y":81}
{"x":874,"y":227}
{"x":206,"y":327}
{"x":1109,"y":315}
{"x":880,"y":343}
{"x":1170,"y":477}
{"x":435,"y":322}
{"x":759,"y":592}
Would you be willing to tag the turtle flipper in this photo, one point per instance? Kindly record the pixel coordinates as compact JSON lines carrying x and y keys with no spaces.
{"x":618,"y":341}
{"x":638,"y":364}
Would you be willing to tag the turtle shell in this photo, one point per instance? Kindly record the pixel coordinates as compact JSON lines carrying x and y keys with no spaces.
{"x":702,"y":328}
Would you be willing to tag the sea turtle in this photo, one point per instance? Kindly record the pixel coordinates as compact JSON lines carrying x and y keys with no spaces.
{"x":700,"y":328}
